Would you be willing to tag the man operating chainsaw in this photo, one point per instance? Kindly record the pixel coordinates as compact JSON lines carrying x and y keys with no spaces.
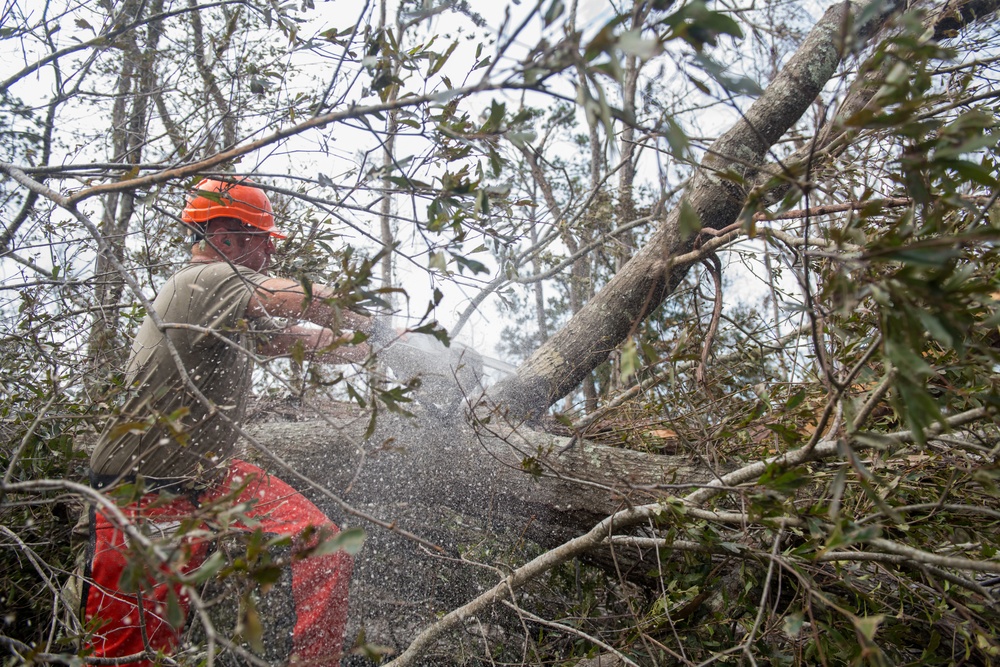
{"x":189,"y":379}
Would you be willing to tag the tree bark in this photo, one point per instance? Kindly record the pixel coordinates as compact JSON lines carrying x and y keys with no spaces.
{"x":717,"y":193}
{"x":467,"y":491}
{"x":513,"y":478}
{"x":136,"y":81}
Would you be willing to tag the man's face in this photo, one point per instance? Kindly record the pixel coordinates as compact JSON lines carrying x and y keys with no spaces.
{"x":241,"y":244}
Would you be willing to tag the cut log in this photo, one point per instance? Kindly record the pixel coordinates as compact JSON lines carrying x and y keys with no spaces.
{"x":485,"y":493}
{"x":515,"y":478}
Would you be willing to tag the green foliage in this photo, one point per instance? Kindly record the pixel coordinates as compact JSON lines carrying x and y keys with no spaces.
{"x":553,"y":151}
{"x":38,"y":429}
{"x":904,"y":301}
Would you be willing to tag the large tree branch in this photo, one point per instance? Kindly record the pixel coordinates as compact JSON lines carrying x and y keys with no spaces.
{"x":715,"y":196}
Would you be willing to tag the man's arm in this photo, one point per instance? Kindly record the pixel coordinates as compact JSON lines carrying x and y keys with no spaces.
{"x":318,"y":344}
{"x":280,"y":297}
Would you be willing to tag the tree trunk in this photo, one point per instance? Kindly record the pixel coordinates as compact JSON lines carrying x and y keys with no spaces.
{"x":717,"y":193}
{"x":475,"y":494}
{"x":136,"y":81}
{"x":512,"y":478}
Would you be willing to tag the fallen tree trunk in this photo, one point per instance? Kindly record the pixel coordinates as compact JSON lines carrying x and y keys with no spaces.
{"x":472,"y":493}
{"x":506,"y":477}
{"x":733,"y":167}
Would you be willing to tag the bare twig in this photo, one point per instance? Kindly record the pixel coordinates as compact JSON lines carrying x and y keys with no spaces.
{"x":572,"y":631}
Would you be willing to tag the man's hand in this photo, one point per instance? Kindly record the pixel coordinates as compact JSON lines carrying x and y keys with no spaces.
{"x":318,"y":344}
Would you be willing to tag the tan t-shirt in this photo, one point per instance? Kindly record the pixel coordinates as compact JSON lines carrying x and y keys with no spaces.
{"x":163,"y":430}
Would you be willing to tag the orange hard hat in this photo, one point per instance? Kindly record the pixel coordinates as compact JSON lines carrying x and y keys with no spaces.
{"x":243,"y":201}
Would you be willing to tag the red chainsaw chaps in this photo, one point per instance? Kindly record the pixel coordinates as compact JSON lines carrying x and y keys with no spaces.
{"x":319,"y":583}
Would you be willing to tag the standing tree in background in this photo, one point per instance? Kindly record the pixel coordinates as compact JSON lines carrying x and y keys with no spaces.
{"x":848,"y":430}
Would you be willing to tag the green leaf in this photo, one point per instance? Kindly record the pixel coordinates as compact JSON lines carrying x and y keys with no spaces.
{"x":208,"y":569}
{"x":128,"y":427}
{"x":493,"y":121}
{"x":470,"y":264}
{"x":971,"y":145}
{"x":784,"y":481}
{"x":987,"y":644}
{"x":795,"y":400}
{"x":676,"y":138}
{"x":531,"y":466}
{"x":175,"y":615}
{"x":355,"y":396}
{"x":251,"y":630}
{"x":298,"y":352}
{"x":697,"y":25}
{"x":699,"y":84}
{"x":482,"y":203}
{"x":433,"y":329}
{"x":917,"y":256}
{"x":554,"y":11}
{"x":267,"y":575}
{"x":688,"y":220}
{"x":370,"y":428}
{"x":793,"y":623}
{"x":972,"y":171}
{"x":789,"y":435}
{"x":439,"y":61}
{"x":350,"y":540}
{"x":496,"y":162}
{"x":438,"y":261}
{"x":521,"y":137}
{"x":867,"y":626}
{"x":392,"y":398}
{"x":906,"y":360}
{"x":629,"y":360}
{"x":935,"y":328}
